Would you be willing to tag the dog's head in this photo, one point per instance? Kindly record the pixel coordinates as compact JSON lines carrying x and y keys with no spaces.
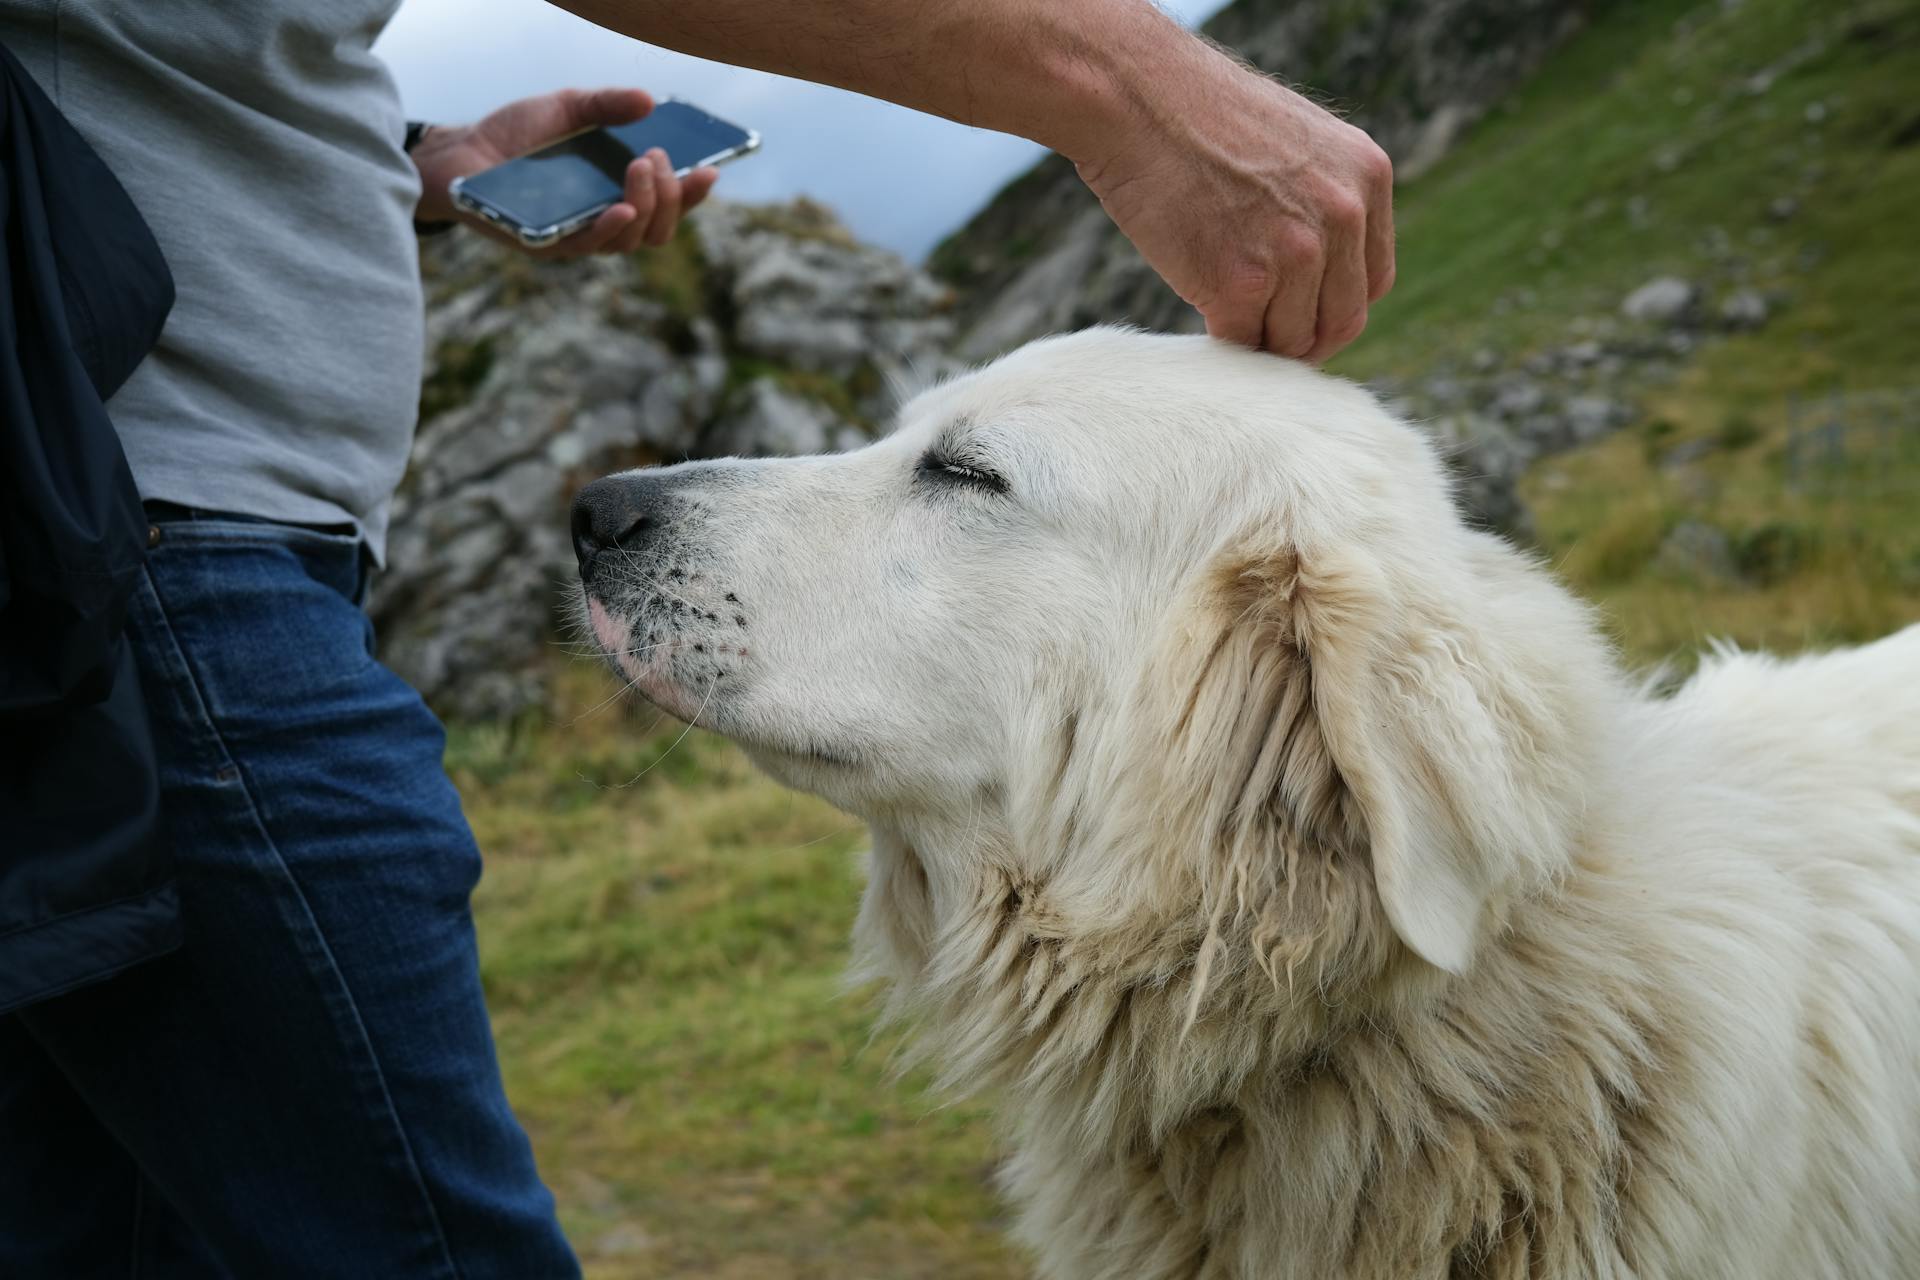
{"x":1153,"y":625}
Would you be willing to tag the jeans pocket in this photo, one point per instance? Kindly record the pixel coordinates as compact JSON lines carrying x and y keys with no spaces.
{"x":264,"y":617}
{"x":334,"y":559}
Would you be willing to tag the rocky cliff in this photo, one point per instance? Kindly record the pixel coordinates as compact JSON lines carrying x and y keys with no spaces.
{"x":760,"y":330}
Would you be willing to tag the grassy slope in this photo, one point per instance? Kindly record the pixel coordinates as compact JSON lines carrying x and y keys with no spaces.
{"x":1525,"y":231}
{"x":662,"y":938}
{"x":663,"y":957}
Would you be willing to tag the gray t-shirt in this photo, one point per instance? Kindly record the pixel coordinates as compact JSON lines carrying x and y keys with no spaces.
{"x":262,"y":140}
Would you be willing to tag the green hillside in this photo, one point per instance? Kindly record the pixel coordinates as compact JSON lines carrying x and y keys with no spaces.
{"x":663,"y":932}
{"x":662,"y":935}
{"x":1769,"y":145}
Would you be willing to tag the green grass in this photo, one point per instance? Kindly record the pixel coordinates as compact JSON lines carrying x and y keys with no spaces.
{"x":675,"y":274}
{"x":838,"y":394}
{"x":1528,"y":224}
{"x":458,"y":370}
{"x":663,"y":932}
{"x":1559,"y":204}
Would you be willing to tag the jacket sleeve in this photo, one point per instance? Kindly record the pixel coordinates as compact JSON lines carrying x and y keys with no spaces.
{"x":84,"y":292}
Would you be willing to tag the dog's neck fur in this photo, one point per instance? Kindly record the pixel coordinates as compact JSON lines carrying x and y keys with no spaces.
{"x":1304,"y":1098}
{"x":1220,"y":1052}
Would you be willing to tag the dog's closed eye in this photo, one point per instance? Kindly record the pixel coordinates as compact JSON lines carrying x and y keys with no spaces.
{"x":950,"y":467}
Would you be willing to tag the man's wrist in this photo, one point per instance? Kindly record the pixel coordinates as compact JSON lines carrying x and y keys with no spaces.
{"x":417,"y":132}
{"x":1119,"y":82}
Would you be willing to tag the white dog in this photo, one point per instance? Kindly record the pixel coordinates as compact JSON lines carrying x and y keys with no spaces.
{"x":1295,"y":863}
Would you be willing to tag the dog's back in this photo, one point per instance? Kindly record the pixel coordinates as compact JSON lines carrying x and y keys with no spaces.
{"x":1770,"y":816}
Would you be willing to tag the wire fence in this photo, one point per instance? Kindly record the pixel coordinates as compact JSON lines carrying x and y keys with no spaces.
{"x":1843,"y":443}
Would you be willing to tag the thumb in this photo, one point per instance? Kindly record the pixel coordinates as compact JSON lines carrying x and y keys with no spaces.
{"x":586,"y":108}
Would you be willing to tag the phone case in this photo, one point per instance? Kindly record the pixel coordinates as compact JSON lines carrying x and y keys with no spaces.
{"x":541,"y":237}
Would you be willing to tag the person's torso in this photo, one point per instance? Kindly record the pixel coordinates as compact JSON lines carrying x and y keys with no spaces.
{"x":261,"y":140}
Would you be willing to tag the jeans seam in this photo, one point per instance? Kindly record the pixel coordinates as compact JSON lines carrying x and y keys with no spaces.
{"x":199,"y":711}
{"x":313,"y":935}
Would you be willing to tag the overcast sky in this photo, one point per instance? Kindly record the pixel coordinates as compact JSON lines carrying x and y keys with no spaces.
{"x":898,"y":178}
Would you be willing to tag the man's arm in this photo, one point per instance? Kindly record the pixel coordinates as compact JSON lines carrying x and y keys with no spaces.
{"x":1256,"y":206}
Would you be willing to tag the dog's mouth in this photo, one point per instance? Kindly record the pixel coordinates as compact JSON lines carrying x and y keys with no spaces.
{"x":694,"y":679}
{"x":659,"y":653}
{"x":647,"y":660}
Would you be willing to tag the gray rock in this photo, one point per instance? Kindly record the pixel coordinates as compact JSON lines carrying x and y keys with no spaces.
{"x":1698,"y":552}
{"x":1041,"y":298}
{"x":1517,"y":399}
{"x":1664,"y":300}
{"x":1744,"y":310}
{"x":1486,"y":461}
{"x":1583,"y":355}
{"x":771,"y":420}
{"x":1444,"y":392}
{"x":808,"y":296}
{"x":1590,"y":417}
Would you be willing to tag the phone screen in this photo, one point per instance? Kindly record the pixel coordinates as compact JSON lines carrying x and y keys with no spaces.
{"x":587,"y":171}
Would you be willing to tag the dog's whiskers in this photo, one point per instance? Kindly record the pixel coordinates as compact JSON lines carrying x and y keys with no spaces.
{"x":692,"y":722}
{"x":627,"y":687}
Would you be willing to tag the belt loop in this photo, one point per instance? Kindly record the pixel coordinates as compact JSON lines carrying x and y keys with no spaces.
{"x":364,"y":587}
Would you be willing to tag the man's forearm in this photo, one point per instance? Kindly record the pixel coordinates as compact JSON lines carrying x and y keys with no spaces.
{"x":1259,"y":208}
{"x":1065,"y":73}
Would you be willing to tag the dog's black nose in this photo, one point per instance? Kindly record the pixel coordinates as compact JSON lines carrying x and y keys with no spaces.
{"x":610,"y":512}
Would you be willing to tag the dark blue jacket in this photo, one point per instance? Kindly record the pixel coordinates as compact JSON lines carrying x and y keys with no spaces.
{"x":85,"y":883}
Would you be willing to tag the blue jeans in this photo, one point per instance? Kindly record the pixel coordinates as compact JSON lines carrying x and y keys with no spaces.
{"x":307,"y":1088}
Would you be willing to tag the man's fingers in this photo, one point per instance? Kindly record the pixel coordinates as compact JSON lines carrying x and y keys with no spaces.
{"x":643,"y":188}
{"x":1380,"y":265}
{"x":1238,"y":312}
{"x":641,"y":196}
{"x":666,"y":198}
{"x":1293,"y":312}
{"x":697,"y":186}
{"x":595,"y":236}
{"x":631,"y":236}
{"x":653,"y":201}
{"x":1243,"y":325}
{"x":1343,"y":289}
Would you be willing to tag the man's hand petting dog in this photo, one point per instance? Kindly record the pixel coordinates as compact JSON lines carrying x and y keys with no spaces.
{"x":1268,"y":214}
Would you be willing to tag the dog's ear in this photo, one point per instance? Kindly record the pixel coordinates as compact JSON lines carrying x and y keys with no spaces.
{"x":1388,"y":720}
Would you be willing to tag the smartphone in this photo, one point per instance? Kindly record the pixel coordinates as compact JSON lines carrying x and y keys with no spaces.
{"x":548,"y":194}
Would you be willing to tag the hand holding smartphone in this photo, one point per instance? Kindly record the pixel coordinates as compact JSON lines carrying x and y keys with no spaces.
{"x":546,"y":195}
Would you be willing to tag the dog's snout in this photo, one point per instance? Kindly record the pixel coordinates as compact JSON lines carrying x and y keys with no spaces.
{"x":611,"y":512}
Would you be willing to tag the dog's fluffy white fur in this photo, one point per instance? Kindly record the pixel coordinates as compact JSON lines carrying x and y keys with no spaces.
{"x":1295,"y":864}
